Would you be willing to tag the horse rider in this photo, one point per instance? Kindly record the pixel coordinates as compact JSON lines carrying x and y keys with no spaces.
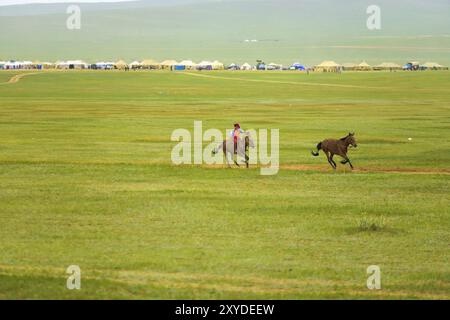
{"x":235,"y":134}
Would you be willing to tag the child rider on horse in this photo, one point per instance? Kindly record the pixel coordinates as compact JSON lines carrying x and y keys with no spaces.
{"x":235,"y":134}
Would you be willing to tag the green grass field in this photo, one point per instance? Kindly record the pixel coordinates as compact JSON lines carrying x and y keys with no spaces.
{"x":86,"y":179}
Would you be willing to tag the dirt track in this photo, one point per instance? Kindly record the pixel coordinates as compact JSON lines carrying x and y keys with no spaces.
{"x":341,"y":169}
{"x":367,"y":169}
{"x":283,"y":82}
{"x":18,"y":77}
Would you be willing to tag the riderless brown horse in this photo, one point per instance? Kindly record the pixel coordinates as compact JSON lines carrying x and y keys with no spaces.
{"x":332,"y":147}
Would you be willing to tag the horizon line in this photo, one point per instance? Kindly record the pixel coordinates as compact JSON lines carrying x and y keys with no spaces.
{"x":12,"y":3}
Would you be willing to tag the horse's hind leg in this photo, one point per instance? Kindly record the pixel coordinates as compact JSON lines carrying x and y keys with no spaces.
{"x":330,"y":161}
{"x":226,"y":158}
{"x":334,"y":163}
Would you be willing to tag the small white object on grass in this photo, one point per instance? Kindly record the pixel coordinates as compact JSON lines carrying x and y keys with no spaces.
{"x":409,"y":139}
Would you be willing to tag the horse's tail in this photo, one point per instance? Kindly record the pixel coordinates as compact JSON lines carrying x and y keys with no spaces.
{"x":216,"y":150}
{"x":319,"y":147}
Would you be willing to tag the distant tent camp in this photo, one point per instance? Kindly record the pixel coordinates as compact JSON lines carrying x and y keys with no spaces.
{"x":150,"y":64}
{"x":274,"y":66}
{"x":18,"y":65}
{"x":412,"y":66}
{"x":349,"y":66}
{"x":71,"y":64}
{"x":27,"y":64}
{"x":208,"y":65}
{"x":42,"y":65}
{"x":102,"y":65}
{"x":388,"y":66}
{"x":185,"y":65}
{"x":121,"y":65}
{"x":47,"y":65}
{"x":37,"y":65}
{"x":433,"y":66}
{"x":233,"y":66}
{"x":246,"y":66}
{"x":135,"y":65}
{"x":297,"y":66}
{"x":205,"y":65}
{"x":217,"y":65}
{"x":328,"y":66}
{"x":364,"y":66}
{"x":12,"y":65}
{"x":168,"y":64}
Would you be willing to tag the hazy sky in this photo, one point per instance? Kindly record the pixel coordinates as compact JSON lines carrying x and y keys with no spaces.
{"x":12,"y":2}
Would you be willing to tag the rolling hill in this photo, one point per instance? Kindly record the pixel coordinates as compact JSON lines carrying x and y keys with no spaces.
{"x":286,"y":31}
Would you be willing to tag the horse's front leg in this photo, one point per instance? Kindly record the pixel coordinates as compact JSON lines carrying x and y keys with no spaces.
{"x":350,"y":163}
{"x":347,"y":160}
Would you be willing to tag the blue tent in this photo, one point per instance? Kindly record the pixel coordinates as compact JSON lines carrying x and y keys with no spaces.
{"x":179,"y":68}
{"x":298,"y":66}
{"x":261,"y":66}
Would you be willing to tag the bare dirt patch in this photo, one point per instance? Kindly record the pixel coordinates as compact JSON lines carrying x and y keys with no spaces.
{"x":341,"y":169}
{"x":18,"y":77}
{"x":368,"y":169}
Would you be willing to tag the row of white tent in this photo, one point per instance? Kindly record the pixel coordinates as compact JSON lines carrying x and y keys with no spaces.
{"x":325,"y":66}
{"x":75,"y":64}
{"x":329,"y":66}
{"x":173,"y":64}
{"x":145,"y":64}
{"x":16,"y":64}
{"x":79,"y":64}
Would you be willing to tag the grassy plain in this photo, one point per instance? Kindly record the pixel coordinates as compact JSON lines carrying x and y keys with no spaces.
{"x":86,"y":179}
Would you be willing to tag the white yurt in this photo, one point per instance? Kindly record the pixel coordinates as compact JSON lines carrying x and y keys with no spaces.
{"x":135,"y":65}
{"x":217,"y":65}
{"x":246,"y":66}
{"x":168,"y":64}
{"x":188,"y":64}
